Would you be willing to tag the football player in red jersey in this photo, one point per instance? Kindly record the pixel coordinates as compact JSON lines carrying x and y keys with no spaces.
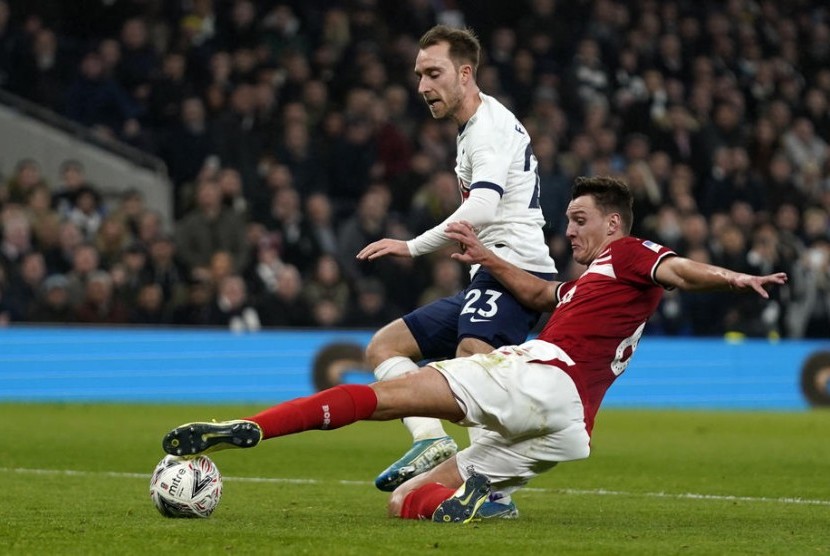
{"x":534,"y":402}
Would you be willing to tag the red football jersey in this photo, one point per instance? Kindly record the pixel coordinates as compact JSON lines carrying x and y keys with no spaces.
{"x":600,"y":316}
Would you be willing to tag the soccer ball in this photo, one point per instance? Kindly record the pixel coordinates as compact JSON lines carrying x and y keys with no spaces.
{"x":186,"y":487}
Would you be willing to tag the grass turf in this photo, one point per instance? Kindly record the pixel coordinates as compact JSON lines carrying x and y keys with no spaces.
{"x":74,"y":480}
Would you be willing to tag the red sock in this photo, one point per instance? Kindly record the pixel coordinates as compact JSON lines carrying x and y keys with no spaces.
{"x":422,"y":502}
{"x":329,"y":409}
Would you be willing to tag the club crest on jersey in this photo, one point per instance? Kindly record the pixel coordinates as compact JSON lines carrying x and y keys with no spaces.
{"x":653,"y":246}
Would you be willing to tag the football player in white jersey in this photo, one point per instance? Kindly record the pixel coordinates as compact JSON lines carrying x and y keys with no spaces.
{"x":499,"y":189}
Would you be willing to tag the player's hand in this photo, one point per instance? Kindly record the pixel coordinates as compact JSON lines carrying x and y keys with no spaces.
{"x":383,"y":247}
{"x":472,"y":250}
{"x":746,"y":282}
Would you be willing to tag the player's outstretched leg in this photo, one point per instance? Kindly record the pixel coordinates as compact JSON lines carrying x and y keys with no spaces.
{"x":464,"y":505}
{"x":421,"y":457}
{"x":192,"y":439}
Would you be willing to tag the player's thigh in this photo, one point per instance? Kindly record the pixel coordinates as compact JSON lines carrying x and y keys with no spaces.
{"x":435,"y":327}
{"x":508,"y":391}
{"x":394,"y":339}
{"x":492,"y":315}
{"x":423,"y":392}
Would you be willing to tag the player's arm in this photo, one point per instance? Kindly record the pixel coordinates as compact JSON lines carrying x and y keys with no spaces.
{"x":530,"y":290}
{"x":688,"y":275}
{"x":479,"y":209}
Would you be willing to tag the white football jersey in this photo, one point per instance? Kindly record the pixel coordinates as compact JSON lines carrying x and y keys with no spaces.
{"x":494,"y":155}
{"x":494,"y":152}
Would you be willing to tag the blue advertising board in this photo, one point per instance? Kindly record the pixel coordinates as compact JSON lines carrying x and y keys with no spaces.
{"x":198,"y":366}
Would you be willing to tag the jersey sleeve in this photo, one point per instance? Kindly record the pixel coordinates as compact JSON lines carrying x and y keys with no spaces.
{"x":479,"y":210}
{"x":637,"y":261}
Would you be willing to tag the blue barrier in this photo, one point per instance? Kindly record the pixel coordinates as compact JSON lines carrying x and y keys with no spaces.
{"x":190,"y":366}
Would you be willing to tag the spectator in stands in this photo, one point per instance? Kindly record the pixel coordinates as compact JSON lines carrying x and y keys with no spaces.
{"x":296,"y":241}
{"x":264,"y":273}
{"x":163,"y":268}
{"x":196,"y":309}
{"x":150,"y":226}
{"x":679,"y":137}
{"x":320,"y":214}
{"x":808,"y":314}
{"x":149,"y":308}
{"x":803,"y":147}
{"x":7,"y":314}
{"x":111,"y":239}
{"x":72,"y":179}
{"x":24,"y":288}
{"x":99,"y":304}
{"x":168,"y":90}
{"x":231,"y":307}
{"x":296,"y":151}
{"x":129,"y":209}
{"x":85,"y":261}
{"x":139,"y":61}
{"x":53,"y":303}
{"x":325,"y":313}
{"x":587,"y":80}
{"x":42,"y":69}
{"x":7,"y":42}
{"x":187,"y":148}
{"x":230,"y":184}
{"x":98,"y":101}
{"x":27,"y":175}
{"x":128,"y":273}
{"x":86,"y":212}
{"x":434,"y":202}
{"x":16,"y":240}
{"x":369,"y":223}
{"x":235,"y":141}
{"x":448,"y":278}
{"x":287,"y":305}
{"x":351,"y":164}
{"x":210,"y":227}
{"x":327,"y":283}
{"x":370,"y":308}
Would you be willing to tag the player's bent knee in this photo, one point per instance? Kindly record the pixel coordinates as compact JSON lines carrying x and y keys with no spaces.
{"x":392,"y":340}
{"x":377,"y":351}
{"x":395,"y":504}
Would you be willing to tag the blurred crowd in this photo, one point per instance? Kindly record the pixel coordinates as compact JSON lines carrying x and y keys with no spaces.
{"x":293,"y":136}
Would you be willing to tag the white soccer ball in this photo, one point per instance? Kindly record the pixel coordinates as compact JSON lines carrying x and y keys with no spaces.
{"x":183,"y":487}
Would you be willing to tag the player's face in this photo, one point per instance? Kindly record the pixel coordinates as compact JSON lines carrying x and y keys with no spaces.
{"x":439,"y":81}
{"x":589,"y":230}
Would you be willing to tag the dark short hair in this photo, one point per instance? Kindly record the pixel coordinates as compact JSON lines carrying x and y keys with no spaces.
{"x":610,"y":195}
{"x":464,"y":45}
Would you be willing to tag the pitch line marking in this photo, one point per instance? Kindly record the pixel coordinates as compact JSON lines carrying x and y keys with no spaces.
{"x":572,"y":491}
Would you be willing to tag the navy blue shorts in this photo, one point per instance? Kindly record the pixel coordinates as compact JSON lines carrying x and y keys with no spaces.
{"x":484,"y":310}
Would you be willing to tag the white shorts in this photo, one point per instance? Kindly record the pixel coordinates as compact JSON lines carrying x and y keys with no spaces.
{"x":531,"y":414}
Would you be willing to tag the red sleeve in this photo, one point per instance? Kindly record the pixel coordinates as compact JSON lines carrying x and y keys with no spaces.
{"x":636,"y":260}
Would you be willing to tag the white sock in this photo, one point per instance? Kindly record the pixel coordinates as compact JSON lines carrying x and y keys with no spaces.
{"x":420,"y":428}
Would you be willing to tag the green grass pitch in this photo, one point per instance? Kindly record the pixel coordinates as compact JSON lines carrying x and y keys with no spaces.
{"x":74,"y":480}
